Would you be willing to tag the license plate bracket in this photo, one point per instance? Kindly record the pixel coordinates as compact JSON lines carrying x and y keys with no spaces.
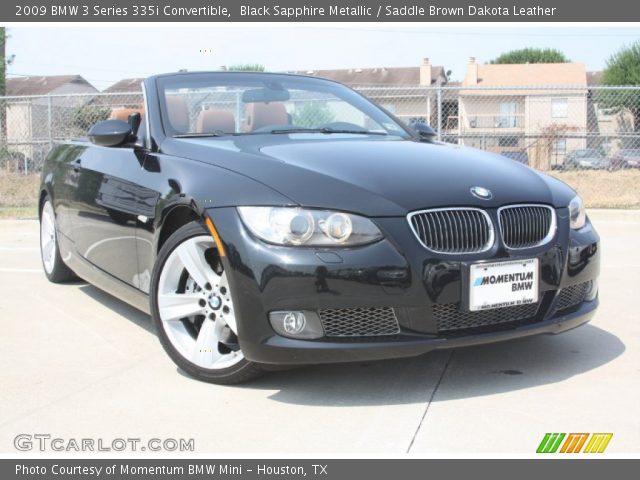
{"x":501,"y":284}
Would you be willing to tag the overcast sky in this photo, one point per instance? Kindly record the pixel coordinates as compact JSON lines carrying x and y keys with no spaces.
{"x":104,"y":55}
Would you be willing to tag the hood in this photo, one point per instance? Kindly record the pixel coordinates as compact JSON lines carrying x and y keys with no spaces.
{"x":375,"y":176}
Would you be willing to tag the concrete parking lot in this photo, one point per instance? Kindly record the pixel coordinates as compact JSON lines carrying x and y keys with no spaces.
{"x":76,"y":362}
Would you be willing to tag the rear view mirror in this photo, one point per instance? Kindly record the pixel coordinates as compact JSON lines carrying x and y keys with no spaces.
{"x":426,"y":133}
{"x":110,"y":133}
{"x":265,"y":95}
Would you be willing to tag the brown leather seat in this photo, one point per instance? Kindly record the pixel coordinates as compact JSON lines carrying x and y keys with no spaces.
{"x":260,"y":115}
{"x":178,"y":113}
{"x":122,"y":113}
{"x":209,"y":121}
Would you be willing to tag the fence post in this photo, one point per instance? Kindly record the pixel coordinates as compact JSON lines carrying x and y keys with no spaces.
{"x":439,"y":100}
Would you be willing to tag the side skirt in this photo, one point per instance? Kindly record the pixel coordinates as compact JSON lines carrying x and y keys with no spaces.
{"x":102,"y":279}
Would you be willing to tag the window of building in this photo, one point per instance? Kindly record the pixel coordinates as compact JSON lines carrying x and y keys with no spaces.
{"x":559,"y":146}
{"x":508,"y":112}
{"x":559,"y":107}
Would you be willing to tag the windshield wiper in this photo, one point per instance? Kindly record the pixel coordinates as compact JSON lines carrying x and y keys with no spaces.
{"x":217,"y":133}
{"x":325,"y":130}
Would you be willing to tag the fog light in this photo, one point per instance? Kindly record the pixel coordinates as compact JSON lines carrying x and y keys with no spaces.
{"x":592,"y":292}
{"x":294,"y":322}
{"x":302,"y":324}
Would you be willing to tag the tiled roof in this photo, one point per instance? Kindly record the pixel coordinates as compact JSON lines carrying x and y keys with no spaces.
{"x":19,"y":86}
{"x":376,"y":76}
{"x":561,"y":75}
{"x":126,"y":85}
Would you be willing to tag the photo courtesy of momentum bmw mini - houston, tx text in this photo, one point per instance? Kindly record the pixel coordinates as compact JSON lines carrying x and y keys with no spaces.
{"x":258,"y":230}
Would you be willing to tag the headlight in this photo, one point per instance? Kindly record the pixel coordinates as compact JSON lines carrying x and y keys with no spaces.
{"x":577,"y":213}
{"x":300,"y":226}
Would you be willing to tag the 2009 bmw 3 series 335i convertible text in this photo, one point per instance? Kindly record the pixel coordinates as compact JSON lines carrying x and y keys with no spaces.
{"x":270,"y":219}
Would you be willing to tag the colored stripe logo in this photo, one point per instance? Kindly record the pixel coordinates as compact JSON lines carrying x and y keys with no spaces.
{"x":598,"y":442}
{"x":574,"y":443}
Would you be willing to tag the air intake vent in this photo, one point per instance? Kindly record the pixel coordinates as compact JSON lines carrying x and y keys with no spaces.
{"x":451,"y":320}
{"x":526,"y":226}
{"x":572,"y":296}
{"x":359,"y":322}
{"x":453,"y":230}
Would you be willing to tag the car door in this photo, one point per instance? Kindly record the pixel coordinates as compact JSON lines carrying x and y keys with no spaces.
{"x":107,"y":204}
{"x":61,"y":174}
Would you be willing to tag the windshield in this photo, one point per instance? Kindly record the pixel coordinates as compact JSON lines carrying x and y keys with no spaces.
{"x":212,"y":104}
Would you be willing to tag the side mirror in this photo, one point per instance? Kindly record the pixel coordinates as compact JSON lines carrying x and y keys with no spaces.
{"x":426,"y":133}
{"x":110,"y":133}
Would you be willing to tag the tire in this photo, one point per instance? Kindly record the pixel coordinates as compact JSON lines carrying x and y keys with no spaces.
{"x":191,"y":304}
{"x":54,"y":267}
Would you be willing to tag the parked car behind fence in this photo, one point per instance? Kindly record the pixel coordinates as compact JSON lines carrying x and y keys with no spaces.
{"x":626,"y":158}
{"x":587,"y":159}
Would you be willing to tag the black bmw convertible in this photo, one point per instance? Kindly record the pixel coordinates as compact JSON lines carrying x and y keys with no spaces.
{"x":270,"y":219}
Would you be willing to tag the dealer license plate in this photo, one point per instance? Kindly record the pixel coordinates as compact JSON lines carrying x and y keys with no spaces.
{"x":503,"y":284}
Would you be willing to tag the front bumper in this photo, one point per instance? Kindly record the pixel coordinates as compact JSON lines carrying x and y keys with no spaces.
{"x":396,"y":272}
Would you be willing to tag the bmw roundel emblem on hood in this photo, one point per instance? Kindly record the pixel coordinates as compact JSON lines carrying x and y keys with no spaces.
{"x":481,"y":192}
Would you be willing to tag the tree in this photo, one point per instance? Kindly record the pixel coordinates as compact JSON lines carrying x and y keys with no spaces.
{"x":312,"y":114}
{"x":3,"y":88}
{"x":532,"y":55}
{"x":3,"y":64}
{"x":86,"y":116}
{"x":543,"y":157}
{"x":623,"y":68}
{"x":246,"y":67}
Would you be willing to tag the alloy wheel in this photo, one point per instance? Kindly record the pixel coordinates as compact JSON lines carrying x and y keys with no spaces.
{"x":48,"y":237}
{"x":195,"y":306}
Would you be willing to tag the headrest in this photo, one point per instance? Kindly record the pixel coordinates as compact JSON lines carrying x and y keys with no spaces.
{"x":209,"y":121}
{"x":178,"y":113}
{"x":122,"y":113}
{"x":260,"y":115}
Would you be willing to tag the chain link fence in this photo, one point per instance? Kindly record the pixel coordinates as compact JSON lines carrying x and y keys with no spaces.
{"x":587,"y":136}
{"x":31,"y":125}
{"x":550,"y":128}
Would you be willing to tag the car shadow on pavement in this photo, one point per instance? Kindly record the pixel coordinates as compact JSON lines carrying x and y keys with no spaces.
{"x":460,"y":373}
{"x":528,"y":362}
{"x":119,"y":307}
